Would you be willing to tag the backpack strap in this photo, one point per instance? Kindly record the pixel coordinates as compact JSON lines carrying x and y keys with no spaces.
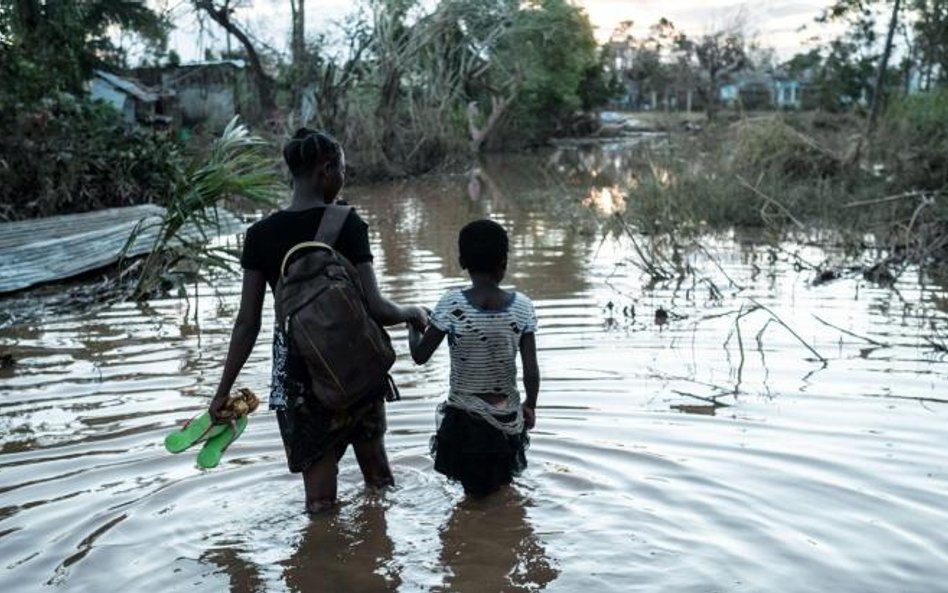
{"x":334,"y":218}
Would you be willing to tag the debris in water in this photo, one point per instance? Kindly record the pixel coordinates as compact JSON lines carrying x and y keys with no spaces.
{"x":661,"y":316}
{"x":825,"y":276}
{"x":879,"y":274}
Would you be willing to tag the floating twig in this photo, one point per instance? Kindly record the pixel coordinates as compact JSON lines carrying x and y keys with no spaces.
{"x":711,"y":400}
{"x":790,"y":329}
{"x":850,"y":333}
{"x":717,"y":265}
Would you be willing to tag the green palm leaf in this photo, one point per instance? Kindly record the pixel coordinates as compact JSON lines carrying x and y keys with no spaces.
{"x":238,"y":165}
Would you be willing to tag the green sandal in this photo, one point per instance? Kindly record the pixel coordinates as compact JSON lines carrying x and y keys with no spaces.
{"x":214,"y":448}
{"x":195,"y":430}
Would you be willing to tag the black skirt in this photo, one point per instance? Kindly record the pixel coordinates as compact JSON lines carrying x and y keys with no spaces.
{"x":468,"y":449}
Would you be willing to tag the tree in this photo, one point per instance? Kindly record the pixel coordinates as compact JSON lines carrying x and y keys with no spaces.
{"x":931,"y":28}
{"x":49,"y":46}
{"x":878,"y":92}
{"x":545,"y":54}
{"x":711,"y":59}
{"x":841,"y":74}
{"x":423,"y":80}
{"x":221,"y":12}
{"x":652,"y":65}
{"x":861,"y":16}
{"x":598,"y":87}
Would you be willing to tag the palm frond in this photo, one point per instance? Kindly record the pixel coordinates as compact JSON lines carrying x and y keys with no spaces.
{"x":238,"y":165}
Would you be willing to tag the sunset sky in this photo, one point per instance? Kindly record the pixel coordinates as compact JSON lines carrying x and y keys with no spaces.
{"x":776,"y":22}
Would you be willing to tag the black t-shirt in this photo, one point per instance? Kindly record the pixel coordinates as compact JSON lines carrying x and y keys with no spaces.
{"x":268,"y":240}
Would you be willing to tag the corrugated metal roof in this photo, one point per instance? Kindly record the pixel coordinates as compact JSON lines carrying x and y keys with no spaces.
{"x":205,"y":63}
{"x":100,"y":90}
{"x":128,"y":86}
{"x":58,"y":247}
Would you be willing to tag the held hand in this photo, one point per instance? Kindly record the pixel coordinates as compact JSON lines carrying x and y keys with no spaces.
{"x":529,"y":417}
{"x":418,"y":318}
{"x":217,"y":410}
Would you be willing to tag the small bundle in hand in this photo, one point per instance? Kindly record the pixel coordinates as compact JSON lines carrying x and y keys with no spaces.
{"x":243,"y":402}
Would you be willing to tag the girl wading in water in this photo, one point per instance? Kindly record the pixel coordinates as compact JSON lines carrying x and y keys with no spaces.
{"x":482,"y":438}
{"x":314,"y":436}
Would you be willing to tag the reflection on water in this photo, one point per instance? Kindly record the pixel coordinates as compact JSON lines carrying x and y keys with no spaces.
{"x":348,"y":550}
{"x":243,"y":575}
{"x":671,"y":453}
{"x":488,"y":545}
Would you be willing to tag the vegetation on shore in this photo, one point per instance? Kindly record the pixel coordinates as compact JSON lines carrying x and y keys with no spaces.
{"x":408,"y":88}
{"x":811,"y":176}
{"x":238,"y":165}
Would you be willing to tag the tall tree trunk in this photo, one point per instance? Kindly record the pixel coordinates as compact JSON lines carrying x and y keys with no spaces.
{"x":879,"y":90}
{"x":710,"y":108}
{"x":28,"y":15}
{"x":387,"y":110}
{"x":298,"y":10}
{"x":479,"y":133}
{"x":263,"y":82}
{"x":712,"y":93}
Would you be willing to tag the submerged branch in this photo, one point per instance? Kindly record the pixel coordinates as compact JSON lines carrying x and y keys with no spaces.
{"x":850,"y":333}
{"x":894,"y":198}
{"x":767,"y":199}
{"x":790,"y":329}
{"x":648,"y":263}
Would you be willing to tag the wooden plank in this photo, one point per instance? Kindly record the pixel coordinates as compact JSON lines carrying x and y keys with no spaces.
{"x":60,"y":247}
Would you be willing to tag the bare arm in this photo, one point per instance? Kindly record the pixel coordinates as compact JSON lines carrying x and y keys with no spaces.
{"x":423,"y":345}
{"x":243,"y":337}
{"x":382,"y":309}
{"x":531,"y":376}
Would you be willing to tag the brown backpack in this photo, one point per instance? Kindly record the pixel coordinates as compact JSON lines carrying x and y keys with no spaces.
{"x":321,"y":306}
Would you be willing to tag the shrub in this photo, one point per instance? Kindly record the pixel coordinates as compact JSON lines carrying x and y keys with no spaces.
{"x":72,"y":155}
{"x":759,"y":172}
{"x":913,"y":140}
{"x":770,"y":144}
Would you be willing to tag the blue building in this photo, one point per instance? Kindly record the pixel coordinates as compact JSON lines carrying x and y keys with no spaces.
{"x":788,"y":93}
{"x":770,"y":90}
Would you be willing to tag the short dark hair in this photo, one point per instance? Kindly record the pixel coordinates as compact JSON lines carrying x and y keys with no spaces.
{"x":308,"y":149}
{"x":483,"y":246}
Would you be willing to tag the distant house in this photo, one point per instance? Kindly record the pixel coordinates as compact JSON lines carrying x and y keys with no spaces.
{"x":729,"y":94}
{"x":137,"y":103}
{"x":771,"y":90}
{"x":788,"y":93}
{"x":208,"y":93}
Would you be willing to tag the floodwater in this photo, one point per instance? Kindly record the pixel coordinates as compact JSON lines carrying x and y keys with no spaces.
{"x":662,"y":460}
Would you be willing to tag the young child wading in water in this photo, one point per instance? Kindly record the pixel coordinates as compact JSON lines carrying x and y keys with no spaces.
{"x":314,"y":436}
{"x":482,"y":437}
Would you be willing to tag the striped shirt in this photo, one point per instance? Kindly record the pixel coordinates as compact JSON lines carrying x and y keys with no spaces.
{"x":484,"y":343}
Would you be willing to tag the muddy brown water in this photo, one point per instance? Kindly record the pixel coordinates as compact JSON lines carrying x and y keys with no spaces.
{"x":647,"y":472}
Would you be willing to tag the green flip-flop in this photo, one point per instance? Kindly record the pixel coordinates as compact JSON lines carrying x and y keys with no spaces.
{"x":195,"y":430}
{"x":214,"y":448}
